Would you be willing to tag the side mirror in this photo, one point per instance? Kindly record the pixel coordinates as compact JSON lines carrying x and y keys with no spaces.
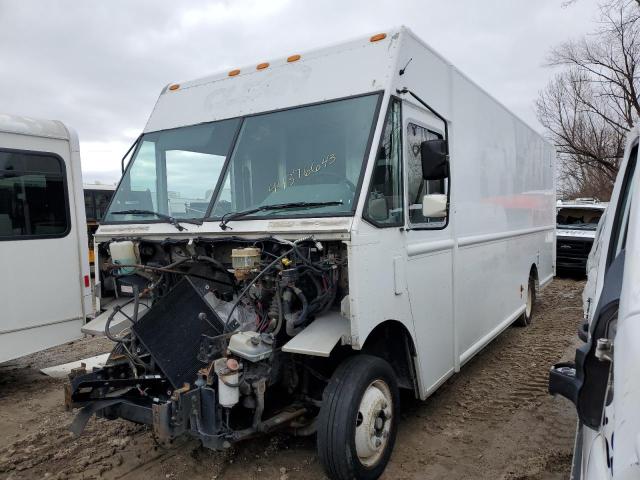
{"x":435,"y":161}
{"x":434,"y":205}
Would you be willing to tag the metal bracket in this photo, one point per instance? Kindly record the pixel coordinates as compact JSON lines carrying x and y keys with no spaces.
{"x":347,"y":339}
{"x":604,"y":350}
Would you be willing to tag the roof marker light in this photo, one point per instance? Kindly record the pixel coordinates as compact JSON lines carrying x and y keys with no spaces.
{"x":233,"y":73}
{"x":262,"y":66}
{"x":175,"y":86}
{"x":378,"y":37}
{"x":293,"y":58}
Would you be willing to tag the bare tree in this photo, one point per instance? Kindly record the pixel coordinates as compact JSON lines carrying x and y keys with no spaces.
{"x":593,"y":102}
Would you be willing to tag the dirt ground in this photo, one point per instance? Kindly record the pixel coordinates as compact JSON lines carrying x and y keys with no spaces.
{"x":494,"y":420}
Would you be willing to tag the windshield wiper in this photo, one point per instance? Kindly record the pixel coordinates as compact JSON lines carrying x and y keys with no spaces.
{"x":171,"y":220}
{"x":227,"y":217}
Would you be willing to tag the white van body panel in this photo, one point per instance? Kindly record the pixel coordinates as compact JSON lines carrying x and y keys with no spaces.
{"x":625,"y":415}
{"x":453,"y":289}
{"x":503,"y":222}
{"x":626,"y":460}
{"x":622,"y":414}
{"x":596,"y":266}
{"x":53,"y":267}
{"x":351,"y":68}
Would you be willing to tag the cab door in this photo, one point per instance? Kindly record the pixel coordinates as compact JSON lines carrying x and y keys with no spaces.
{"x":429,"y":248}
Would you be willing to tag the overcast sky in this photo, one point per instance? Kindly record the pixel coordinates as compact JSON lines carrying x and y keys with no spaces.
{"x":99,"y":65}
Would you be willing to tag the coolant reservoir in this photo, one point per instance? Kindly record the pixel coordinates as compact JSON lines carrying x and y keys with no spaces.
{"x":244,"y":260}
{"x":123,"y":253}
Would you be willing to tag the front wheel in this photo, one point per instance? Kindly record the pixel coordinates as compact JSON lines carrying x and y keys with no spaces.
{"x":358,"y":419}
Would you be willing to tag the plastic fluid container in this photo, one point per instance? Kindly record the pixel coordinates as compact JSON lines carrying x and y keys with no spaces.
{"x":123,"y":253}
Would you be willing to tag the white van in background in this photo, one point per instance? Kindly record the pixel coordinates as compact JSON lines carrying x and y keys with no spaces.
{"x":603,"y":383}
{"x":45,"y":290}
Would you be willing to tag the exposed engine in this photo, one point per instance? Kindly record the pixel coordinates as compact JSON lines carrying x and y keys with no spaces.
{"x":206,"y":323}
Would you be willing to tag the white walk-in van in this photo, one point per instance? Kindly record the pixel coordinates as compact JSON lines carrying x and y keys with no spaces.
{"x":294,"y":241}
{"x":603,"y":381}
{"x":45,"y":291}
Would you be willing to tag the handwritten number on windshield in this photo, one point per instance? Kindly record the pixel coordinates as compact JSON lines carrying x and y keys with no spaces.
{"x":298,"y":174}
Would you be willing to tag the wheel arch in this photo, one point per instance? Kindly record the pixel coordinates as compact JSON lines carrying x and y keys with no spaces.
{"x":533,"y":272}
{"x":392,"y":341}
{"x":525,"y":318}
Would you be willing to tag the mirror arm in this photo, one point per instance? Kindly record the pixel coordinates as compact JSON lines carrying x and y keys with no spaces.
{"x":404,"y":90}
{"x":129,"y":151}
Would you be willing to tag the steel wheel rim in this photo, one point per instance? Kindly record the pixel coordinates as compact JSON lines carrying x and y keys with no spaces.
{"x":529,"y":306}
{"x":373,"y":423}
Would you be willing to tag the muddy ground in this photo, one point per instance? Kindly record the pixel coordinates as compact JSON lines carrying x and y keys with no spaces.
{"x":494,"y":420}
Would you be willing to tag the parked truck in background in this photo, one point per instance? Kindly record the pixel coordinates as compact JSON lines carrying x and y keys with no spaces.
{"x":43,"y":237}
{"x":299,"y":239}
{"x":576,"y":222}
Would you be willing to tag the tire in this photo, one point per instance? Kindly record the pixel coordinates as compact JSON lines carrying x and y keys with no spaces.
{"x":358,"y":418}
{"x":526,"y":318}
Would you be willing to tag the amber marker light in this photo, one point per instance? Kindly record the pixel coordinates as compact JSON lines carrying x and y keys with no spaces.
{"x":262,"y":66}
{"x":233,"y":73}
{"x":378,"y":37}
{"x":293,"y":58}
{"x":175,"y":86}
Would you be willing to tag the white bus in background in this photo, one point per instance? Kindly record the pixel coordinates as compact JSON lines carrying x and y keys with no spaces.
{"x":96,"y":200}
{"x":45,"y":291}
{"x":366,"y":219}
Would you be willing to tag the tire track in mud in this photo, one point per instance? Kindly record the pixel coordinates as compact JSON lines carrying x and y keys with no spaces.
{"x":516,"y":375}
{"x":53,"y":449}
{"x":36,"y":439}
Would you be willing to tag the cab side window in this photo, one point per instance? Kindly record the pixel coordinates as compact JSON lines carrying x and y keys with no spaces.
{"x":417,"y":187}
{"x":384,"y":199}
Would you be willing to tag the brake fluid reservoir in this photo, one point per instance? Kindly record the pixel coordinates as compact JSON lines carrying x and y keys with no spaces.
{"x":251,"y":346}
{"x":123,"y":253}
{"x":228,"y":386}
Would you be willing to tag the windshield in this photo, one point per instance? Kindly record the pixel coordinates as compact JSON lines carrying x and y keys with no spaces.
{"x":306,"y":154}
{"x":578,"y":218}
{"x":174,"y":172}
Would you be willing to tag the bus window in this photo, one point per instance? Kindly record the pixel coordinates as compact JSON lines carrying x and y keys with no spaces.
{"x":89,"y":205}
{"x":96,"y":201}
{"x":101,"y":199}
{"x":33,"y":200}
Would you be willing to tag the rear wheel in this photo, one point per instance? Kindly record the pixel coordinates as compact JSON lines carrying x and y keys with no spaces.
{"x":357,"y":423}
{"x":527,"y":316}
